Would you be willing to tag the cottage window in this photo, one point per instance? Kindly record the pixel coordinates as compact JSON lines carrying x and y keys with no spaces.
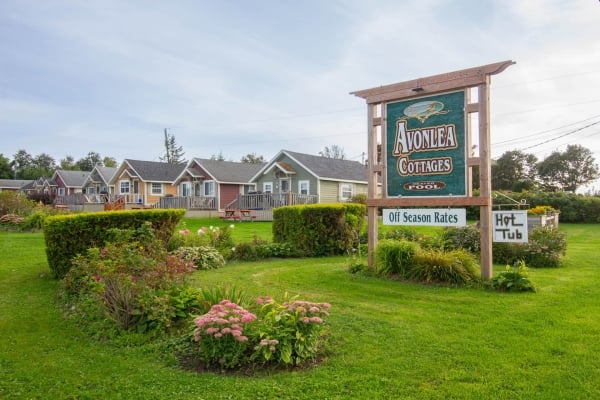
{"x":303,"y":187}
{"x":186,"y":189}
{"x":346,"y":190}
{"x":268,"y":187}
{"x":157,"y":188}
{"x":61,"y":191}
{"x":124,"y":187}
{"x":209,"y":188}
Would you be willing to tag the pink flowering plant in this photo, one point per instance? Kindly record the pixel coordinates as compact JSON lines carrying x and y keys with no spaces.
{"x":221,"y":334}
{"x":287,"y":333}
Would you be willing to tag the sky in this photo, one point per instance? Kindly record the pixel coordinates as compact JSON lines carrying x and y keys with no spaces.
{"x":240,"y":77}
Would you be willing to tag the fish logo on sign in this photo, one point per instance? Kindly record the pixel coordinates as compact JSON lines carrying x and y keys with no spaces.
{"x":424,"y":110}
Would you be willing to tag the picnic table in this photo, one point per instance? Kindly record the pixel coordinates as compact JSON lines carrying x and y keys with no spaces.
{"x":238,"y":215}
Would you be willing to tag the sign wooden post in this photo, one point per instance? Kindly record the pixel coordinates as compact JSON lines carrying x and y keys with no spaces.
{"x":427,"y":160}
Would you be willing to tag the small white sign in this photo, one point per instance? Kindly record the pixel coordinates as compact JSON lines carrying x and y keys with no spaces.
{"x":510,"y":226}
{"x":425,"y":216}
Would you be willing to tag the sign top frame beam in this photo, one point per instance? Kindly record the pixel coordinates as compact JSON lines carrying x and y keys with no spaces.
{"x":455,"y":80}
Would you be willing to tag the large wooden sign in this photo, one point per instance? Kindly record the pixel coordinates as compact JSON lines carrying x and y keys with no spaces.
{"x":426,"y":146}
{"x":423,"y":127}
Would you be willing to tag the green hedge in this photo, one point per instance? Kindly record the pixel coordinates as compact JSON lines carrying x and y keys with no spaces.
{"x":319,"y":229}
{"x":71,"y":234}
{"x":572,"y":207}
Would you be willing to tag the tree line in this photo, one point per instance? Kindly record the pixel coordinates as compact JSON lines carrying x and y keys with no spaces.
{"x":515,"y":170}
{"x":561,"y":171}
{"x":29,"y":167}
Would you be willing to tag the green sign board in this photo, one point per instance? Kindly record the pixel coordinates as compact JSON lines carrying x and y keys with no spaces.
{"x":426,"y":146}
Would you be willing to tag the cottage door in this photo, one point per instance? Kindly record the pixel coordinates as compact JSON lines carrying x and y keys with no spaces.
{"x":284,"y":184}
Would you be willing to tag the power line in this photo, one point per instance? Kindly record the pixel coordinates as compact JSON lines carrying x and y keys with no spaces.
{"x":563,"y":135}
{"x":534,"y":135}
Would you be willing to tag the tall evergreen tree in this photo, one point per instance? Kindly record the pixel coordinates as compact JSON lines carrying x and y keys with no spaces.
{"x":173,"y":153}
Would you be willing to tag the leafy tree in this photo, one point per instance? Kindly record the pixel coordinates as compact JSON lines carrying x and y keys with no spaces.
{"x":568,"y":170}
{"x":88,"y":162}
{"x":68,"y":163}
{"x":25,"y":166}
{"x":515,"y":171}
{"x":334,"y":151}
{"x":252,"y":158}
{"x":173,"y":153}
{"x":22,"y":165}
{"x":6,"y":171}
{"x":45,"y":164}
{"x":109,"y":162}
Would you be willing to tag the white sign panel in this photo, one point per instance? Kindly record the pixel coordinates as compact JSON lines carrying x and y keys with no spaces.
{"x":510,"y":226}
{"x":425,"y":216}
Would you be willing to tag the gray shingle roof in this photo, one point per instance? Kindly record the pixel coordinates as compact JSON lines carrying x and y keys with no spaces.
{"x":230,"y":171}
{"x":72,"y":178}
{"x":14,"y":183}
{"x":153,"y":171}
{"x":331,"y":168}
{"x":107,"y":172}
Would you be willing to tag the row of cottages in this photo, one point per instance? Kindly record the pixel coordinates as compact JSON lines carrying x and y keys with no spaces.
{"x":213,"y":185}
{"x":209,"y":187}
{"x":62,"y":183}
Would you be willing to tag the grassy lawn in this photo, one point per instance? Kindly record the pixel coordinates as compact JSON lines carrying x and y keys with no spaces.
{"x":389,"y":340}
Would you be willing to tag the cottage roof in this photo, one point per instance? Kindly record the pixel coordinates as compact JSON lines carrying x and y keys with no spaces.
{"x":71,"y":178}
{"x":227,"y":171}
{"x":330,"y":168}
{"x":14,"y":184}
{"x":153,"y":171}
{"x":107,"y":172}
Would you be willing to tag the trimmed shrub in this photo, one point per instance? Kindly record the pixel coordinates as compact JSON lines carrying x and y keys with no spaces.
{"x":71,"y":234}
{"x":573,"y":207}
{"x":259,"y":251}
{"x":319,"y":229}
{"x":393,"y":257}
{"x":456,"y":267}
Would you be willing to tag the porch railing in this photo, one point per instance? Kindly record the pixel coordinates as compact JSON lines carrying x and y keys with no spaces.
{"x":267,"y":201}
{"x":82,"y":198}
{"x":189,"y":203}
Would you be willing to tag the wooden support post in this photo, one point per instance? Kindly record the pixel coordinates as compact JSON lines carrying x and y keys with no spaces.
{"x":372,"y":219}
{"x":485,"y":185}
